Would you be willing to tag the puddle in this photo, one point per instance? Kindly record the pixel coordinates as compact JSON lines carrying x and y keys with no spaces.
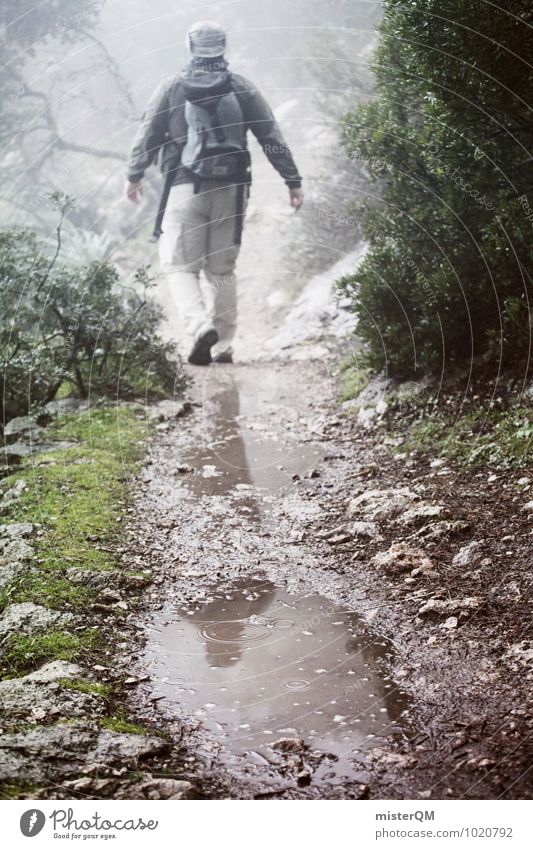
{"x":256,"y":664}
{"x":240,"y":449}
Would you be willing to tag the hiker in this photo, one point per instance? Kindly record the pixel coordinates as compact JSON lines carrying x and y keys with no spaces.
{"x":200,"y":119}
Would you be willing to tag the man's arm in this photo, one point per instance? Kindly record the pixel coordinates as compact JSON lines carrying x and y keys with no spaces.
{"x":260,"y":119}
{"x":149,"y":138}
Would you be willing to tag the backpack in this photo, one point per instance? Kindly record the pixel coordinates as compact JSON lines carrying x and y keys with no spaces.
{"x":216,"y":136}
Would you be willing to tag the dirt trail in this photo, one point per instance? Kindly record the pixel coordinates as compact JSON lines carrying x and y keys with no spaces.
{"x":308,"y":633}
{"x":252,"y":638}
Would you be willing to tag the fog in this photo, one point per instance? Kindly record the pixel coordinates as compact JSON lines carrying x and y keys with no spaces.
{"x":76,"y":76}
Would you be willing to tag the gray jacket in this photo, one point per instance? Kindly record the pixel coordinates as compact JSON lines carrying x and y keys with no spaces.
{"x":164,"y":126}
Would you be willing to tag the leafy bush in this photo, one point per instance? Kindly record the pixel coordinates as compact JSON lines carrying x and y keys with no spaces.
{"x":76,"y":325}
{"x":450,"y":221}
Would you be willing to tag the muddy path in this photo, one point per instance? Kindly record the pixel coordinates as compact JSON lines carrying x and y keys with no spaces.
{"x":251,"y":638}
{"x":285,"y":646}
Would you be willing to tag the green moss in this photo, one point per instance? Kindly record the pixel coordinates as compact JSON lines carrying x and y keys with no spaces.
{"x":78,"y":495}
{"x":24,"y":652}
{"x":18,"y":790}
{"x":493,"y":437}
{"x":122,"y":725}
{"x":354,"y":378}
{"x":102,"y":690}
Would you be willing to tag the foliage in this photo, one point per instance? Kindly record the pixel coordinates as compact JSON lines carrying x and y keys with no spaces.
{"x":488,"y":437}
{"x":78,"y":324}
{"x":446,"y":143}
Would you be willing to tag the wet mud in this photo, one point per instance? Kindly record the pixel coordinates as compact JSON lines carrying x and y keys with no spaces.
{"x":242,"y":643}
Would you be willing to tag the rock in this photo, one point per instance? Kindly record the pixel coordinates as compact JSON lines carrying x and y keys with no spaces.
{"x":439,"y":607}
{"x":381,"y":505}
{"x":21,"y":425}
{"x":450,"y":623}
{"x":26,"y":618}
{"x":370,"y":403}
{"x":420,"y":514}
{"x":54,"y":671}
{"x":157,"y":788}
{"x":368,"y":530}
{"x":520,"y":654}
{"x":528,"y":508}
{"x":436,"y":531}
{"x":66,"y":405}
{"x":466,"y":555}
{"x":98,"y":579}
{"x":333,"y":532}
{"x":401,"y":557}
{"x":48,"y":753}
{"x":338,"y":539}
{"x":289,"y":744}
{"x":14,"y":550}
{"x":108,"y":580}
{"x":16,"y":530}
{"x":39,"y":695}
{"x":12,"y":494}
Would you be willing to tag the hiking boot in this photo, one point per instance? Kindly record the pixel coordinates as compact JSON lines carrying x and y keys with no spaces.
{"x":201,"y":350}
{"x":223,"y":357}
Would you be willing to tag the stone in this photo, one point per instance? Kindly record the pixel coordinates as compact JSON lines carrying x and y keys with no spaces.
{"x":49,"y":753}
{"x":27,"y":617}
{"x":54,"y":671}
{"x":466,"y":554}
{"x":439,"y":607}
{"x":528,"y":508}
{"x":436,"y":531}
{"x":16,"y":530}
{"x":14,"y":550}
{"x":98,"y":579}
{"x":39,"y":695}
{"x":12,"y":494}
{"x":368,"y":530}
{"x":381,"y":505}
{"x":21,"y":425}
{"x":421,"y":514}
{"x":157,"y":788}
{"x":520,"y":654}
{"x":401,"y":557}
{"x":66,"y":405}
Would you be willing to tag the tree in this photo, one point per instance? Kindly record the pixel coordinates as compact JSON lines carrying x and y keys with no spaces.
{"x":449,"y":220}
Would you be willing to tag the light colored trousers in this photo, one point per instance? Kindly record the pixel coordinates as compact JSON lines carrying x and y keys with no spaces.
{"x":198,"y":235}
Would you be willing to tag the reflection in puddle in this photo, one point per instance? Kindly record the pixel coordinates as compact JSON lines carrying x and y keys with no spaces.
{"x":256,"y":664}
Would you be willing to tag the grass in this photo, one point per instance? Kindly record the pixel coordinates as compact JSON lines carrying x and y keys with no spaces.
{"x":354,"y":378}
{"x":79,"y":495}
{"x":24,"y":652}
{"x":490,"y":437}
{"x":18,"y":789}
{"x":102,"y":690}
{"x":122,"y":725}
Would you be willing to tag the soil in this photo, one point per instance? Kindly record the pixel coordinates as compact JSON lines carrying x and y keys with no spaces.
{"x":256,"y":492}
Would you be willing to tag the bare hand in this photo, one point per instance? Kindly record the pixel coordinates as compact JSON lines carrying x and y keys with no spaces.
{"x":134,"y":192}
{"x":296,"y":198}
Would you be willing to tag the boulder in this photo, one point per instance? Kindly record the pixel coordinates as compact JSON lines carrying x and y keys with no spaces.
{"x":39,"y":696}
{"x":421,"y":514}
{"x":467,"y":554}
{"x":12,"y":494}
{"x":380,"y":505}
{"x":401,"y":557}
{"x":49,"y":753}
{"x":27,"y":617}
{"x":16,"y":530}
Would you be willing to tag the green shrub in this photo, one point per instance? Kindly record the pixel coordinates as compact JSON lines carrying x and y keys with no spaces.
{"x":450,"y":221}
{"x":76,"y":325}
